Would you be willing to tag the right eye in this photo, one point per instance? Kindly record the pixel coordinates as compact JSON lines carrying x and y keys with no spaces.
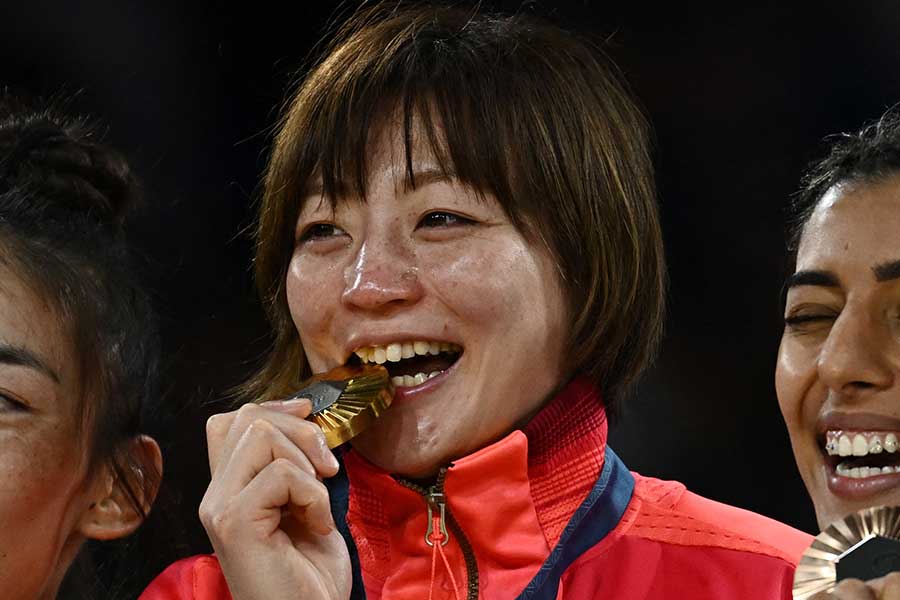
{"x":7,"y":404}
{"x":319,"y":232}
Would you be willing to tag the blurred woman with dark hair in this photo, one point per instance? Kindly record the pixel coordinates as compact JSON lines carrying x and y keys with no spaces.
{"x":467,"y":199}
{"x":838,"y":373}
{"x":78,"y":352}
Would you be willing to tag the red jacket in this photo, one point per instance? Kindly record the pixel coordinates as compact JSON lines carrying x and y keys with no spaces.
{"x":548,"y":513}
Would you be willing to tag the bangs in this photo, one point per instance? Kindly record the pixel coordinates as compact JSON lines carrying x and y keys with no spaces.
{"x":417,"y":94}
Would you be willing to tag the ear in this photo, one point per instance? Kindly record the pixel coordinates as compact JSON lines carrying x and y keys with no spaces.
{"x":118,"y":499}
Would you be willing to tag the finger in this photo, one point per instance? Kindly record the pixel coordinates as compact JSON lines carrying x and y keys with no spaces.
{"x":261,"y":444}
{"x":282,"y":485}
{"x":228,"y":430}
{"x":299,"y":407}
{"x":307,"y":436}
{"x":219,"y":425}
{"x":853,"y":589}
{"x":887,"y":587}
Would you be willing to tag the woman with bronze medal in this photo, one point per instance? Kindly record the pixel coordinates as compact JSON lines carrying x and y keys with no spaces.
{"x":838,"y":374}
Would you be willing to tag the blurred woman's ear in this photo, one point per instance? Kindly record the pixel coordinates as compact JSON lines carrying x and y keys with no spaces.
{"x":120,"y":498}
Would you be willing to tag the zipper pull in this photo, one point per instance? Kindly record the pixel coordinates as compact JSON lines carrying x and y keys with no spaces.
{"x":436,"y":502}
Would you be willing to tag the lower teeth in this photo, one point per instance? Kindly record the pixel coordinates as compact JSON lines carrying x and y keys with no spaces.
{"x":411,"y":380}
{"x":861,"y":472}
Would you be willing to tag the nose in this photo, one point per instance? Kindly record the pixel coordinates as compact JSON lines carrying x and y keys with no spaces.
{"x":855,"y":359}
{"x":382,"y":277}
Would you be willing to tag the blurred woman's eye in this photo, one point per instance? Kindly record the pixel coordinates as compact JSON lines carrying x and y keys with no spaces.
{"x":808,"y":321}
{"x":7,"y":404}
{"x":443,"y":219}
{"x":320,"y":232}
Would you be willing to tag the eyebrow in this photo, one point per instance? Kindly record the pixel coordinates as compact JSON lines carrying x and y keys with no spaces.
{"x":887,"y":271}
{"x":426,"y":177}
{"x":22,"y":357}
{"x":818,"y":278}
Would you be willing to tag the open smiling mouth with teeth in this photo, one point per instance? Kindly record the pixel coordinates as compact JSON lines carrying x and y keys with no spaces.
{"x":863,"y":454}
{"x":410,"y":363}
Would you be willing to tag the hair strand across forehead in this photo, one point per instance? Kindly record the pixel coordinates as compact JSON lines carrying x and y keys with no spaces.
{"x":863,"y":157}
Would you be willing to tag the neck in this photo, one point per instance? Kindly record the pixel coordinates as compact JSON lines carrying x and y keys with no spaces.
{"x":67,"y":556}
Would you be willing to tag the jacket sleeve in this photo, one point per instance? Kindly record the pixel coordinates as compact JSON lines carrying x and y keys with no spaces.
{"x":194,"y":578}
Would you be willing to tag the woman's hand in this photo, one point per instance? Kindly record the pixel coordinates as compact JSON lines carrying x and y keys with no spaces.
{"x":883,"y":588}
{"x":266,"y":511}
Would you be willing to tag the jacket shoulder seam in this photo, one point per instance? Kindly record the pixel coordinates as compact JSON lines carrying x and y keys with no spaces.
{"x":667,"y":524}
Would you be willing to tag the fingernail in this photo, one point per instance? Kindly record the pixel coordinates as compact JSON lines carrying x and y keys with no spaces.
{"x":332,"y":460}
{"x":327,"y":454}
{"x":292,"y":404}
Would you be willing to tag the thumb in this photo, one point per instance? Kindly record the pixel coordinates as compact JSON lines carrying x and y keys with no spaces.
{"x":299,"y":407}
{"x":887,"y":587}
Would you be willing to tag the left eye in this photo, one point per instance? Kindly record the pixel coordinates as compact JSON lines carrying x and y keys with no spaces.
{"x":443,"y":219}
{"x":8,"y":404}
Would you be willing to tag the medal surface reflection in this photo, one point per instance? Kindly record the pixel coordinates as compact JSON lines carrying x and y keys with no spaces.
{"x":864,"y":545}
{"x":346,"y":400}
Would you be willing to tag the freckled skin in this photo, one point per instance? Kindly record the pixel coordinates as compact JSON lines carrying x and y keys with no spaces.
{"x":42,"y":464}
{"x":849,"y":361}
{"x":481,"y":284}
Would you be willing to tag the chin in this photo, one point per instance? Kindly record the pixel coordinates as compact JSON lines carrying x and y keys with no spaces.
{"x":412,"y":441}
{"x":415,"y":460}
{"x":412,"y":465}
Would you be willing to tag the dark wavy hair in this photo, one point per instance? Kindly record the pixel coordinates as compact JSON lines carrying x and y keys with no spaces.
{"x":64,"y":198}
{"x":867,"y":156}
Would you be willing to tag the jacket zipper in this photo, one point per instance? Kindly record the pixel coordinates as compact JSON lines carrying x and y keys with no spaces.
{"x":436,"y":503}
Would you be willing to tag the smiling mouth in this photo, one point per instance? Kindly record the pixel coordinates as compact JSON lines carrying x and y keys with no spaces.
{"x":410,"y":363}
{"x":862,"y":454}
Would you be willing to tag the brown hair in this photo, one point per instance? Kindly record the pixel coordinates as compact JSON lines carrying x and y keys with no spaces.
{"x":513,"y":107}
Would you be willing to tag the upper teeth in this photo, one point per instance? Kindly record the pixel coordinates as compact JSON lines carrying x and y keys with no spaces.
{"x":397,"y":351}
{"x":860,"y":444}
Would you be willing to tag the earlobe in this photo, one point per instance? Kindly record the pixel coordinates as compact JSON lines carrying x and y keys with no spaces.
{"x":121,"y":496}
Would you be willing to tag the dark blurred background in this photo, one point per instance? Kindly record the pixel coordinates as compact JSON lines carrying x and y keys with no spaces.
{"x":740,"y":95}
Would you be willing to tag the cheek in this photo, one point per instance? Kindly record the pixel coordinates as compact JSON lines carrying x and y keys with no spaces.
{"x":312,"y":293}
{"x":795,"y":376}
{"x":37,"y":479}
{"x":785,"y":380}
{"x":466,"y":281}
{"x":497,"y":283}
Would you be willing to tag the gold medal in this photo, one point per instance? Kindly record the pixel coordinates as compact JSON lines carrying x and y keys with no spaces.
{"x":346,"y":400}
